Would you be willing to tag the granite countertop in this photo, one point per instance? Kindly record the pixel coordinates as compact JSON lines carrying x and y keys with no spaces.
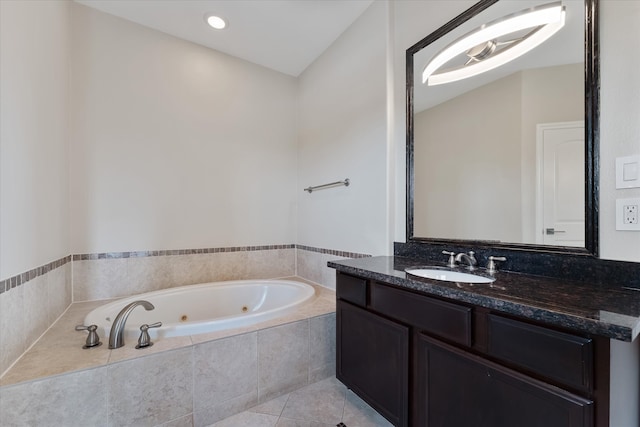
{"x":610,"y":311}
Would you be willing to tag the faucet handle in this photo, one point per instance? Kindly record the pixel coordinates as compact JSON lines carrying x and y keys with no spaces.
{"x":93,"y":340}
{"x":145,"y":339}
{"x":452,"y":258}
{"x":492,"y":266}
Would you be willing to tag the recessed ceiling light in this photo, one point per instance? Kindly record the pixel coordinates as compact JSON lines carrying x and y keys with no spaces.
{"x":215,"y":21}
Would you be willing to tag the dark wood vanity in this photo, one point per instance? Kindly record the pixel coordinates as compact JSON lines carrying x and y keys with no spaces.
{"x":531,"y":350}
{"x":425,"y":360}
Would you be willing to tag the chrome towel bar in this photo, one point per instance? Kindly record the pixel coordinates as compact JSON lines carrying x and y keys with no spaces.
{"x":331,"y":184}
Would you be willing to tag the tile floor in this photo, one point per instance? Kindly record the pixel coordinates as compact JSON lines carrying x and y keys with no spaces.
{"x":322,"y":404}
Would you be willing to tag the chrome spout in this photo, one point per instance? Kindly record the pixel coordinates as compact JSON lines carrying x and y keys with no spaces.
{"x":469,"y":258}
{"x":116,"y":336}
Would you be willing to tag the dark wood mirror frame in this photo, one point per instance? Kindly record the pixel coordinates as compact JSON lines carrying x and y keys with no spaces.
{"x":592,"y":122}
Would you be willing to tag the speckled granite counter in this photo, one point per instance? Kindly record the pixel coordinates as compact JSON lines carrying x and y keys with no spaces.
{"x":609,"y":311}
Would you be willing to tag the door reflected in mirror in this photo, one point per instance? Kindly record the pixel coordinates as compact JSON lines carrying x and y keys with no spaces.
{"x":500,"y":156}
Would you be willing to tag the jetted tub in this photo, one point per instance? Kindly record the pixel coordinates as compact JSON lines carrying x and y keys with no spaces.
{"x":207,"y":307}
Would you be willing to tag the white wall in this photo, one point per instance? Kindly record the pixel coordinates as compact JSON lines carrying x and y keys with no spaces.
{"x":619,"y":119}
{"x":34,"y":55}
{"x":620,"y":136}
{"x":175,"y":145}
{"x":343,"y":134}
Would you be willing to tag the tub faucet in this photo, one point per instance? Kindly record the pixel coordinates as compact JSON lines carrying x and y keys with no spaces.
{"x":116,"y":336}
{"x":471,"y":260}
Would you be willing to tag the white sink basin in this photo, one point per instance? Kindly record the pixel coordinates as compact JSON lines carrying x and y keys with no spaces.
{"x":448,"y":275}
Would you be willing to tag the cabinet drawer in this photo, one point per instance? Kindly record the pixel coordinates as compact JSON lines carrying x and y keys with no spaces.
{"x":556,"y":355}
{"x":440,"y":318}
{"x":352,"y":289}
{"x":458,"y":388}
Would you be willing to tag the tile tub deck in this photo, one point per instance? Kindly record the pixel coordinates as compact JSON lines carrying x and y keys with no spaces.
{"x":264,"y":360}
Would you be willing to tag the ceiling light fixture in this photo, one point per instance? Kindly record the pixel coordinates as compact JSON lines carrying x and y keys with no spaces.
{"x":483,"y":49}
{"x":215,"y":21}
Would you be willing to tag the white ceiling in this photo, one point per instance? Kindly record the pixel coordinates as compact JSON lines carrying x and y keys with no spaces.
{"x":284,"y":35}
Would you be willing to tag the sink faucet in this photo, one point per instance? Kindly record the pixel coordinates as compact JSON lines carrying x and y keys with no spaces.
{"x":469,"y":258}
{"x":116,"y":336}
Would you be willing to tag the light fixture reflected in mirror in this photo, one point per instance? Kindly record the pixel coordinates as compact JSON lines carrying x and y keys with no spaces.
{"x":495,"y":44}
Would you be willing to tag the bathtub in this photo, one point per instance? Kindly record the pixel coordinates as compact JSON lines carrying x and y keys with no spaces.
{"x":206,"y":307}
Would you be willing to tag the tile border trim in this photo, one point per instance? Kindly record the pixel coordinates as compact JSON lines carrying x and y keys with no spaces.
{"x":12,"y":282}
{"x":142,"y":254}
{"x":333,"y":252}
{"x":7,"y":284}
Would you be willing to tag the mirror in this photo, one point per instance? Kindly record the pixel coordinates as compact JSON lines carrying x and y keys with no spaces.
{"x":507,"y":157}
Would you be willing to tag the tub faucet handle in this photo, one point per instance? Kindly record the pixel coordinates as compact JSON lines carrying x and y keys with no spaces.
{"x":145,"y":339}
{"x":93,"y":340}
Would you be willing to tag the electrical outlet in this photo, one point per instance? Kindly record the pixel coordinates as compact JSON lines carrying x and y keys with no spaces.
{"x":628,"y":214}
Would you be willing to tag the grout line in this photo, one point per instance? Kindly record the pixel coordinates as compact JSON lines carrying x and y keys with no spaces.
{"x":344,"y":405}
{"x":284,"y":406}
{"x":193,"y":380}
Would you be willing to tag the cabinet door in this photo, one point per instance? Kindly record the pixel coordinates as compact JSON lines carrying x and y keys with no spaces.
{"x":373,"y":360}
{"x":459,"y":389}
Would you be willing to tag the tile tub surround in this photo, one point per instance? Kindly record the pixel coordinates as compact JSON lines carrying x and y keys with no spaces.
{"x":610,"y":311}
{"x":120,"y":274}
{"x":33,"y":302}
{"x":204,"y":377}
{"x":115,"y":275}
{"x":312,"y":262}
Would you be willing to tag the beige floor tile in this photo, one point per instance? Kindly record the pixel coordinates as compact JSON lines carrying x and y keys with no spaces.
{"x":289,"y":422}
{"x":221,"y":410}
{"x":321,"y":402}
{"x":248,"y":419}
{"x":186,"y":421}
{"x":272,"y":407}
{"x":358,"y":414}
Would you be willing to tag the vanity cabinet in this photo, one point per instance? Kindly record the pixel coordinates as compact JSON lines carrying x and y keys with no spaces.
{"x":374,"y":360}
{"x":426,"y":361}
{"x":458,"y":388}
{"x":373,"y":353}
